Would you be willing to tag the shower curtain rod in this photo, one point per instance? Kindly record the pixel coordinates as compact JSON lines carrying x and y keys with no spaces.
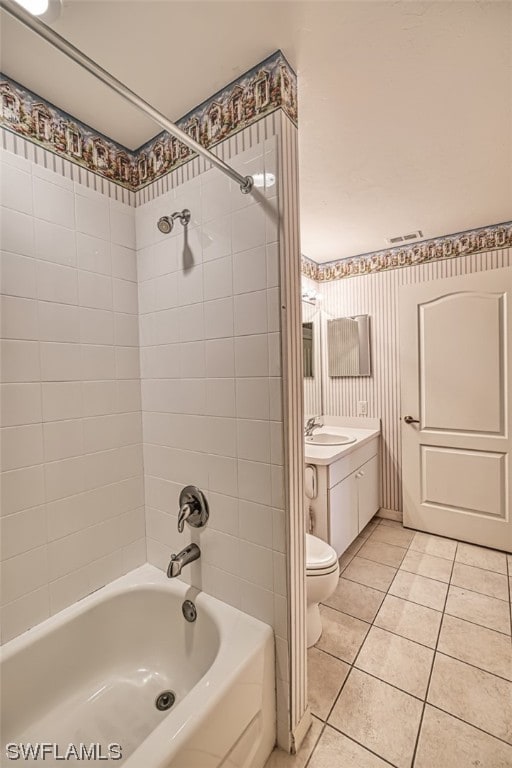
{"x":59,"y":42}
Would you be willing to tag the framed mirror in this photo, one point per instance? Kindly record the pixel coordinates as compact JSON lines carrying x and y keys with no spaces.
{"x":307,"y":347}
{"x":348,"y":346}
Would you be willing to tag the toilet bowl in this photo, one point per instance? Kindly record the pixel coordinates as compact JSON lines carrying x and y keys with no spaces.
{"x":322,"y":573}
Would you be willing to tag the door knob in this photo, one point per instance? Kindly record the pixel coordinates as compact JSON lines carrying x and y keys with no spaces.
{"x":410,"y":420}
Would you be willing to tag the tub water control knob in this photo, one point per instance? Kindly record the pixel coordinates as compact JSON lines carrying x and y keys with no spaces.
{"x":193,"y":508}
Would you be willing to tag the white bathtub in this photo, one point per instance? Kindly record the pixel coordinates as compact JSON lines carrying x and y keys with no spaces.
{"x":91,"y":674}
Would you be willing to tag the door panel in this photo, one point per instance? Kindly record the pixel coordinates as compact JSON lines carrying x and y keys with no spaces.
{"x":456,"y":378}
{"x":466,"y":393}
{"x":468,"y":481}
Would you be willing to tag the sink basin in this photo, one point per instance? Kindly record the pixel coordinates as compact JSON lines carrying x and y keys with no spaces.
{"x":327,"y":438}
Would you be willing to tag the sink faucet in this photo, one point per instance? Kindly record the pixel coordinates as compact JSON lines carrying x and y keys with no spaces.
{"x":186,"y":556}
{"x":311,"y":425}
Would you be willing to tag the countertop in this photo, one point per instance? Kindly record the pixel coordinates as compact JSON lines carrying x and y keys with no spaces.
{"x":328,"y":454}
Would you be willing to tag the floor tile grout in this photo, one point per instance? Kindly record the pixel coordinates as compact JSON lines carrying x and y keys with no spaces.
{"x":435,"y":650}
{"x":432,"y":667}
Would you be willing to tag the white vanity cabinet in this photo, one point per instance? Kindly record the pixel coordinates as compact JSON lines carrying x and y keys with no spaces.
{"x":347,"y":496}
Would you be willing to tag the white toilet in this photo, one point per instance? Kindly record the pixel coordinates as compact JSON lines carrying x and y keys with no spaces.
{"x":322,"y":574}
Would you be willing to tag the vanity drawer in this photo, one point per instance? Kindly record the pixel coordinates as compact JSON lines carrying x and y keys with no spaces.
{"x":348,"y":464}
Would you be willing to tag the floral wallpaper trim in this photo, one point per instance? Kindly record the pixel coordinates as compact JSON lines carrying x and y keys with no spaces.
{"x":447,"y":247}
{"x":270,"y":85}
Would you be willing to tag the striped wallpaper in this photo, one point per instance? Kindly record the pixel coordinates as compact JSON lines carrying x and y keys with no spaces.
{"x":377,"y":295}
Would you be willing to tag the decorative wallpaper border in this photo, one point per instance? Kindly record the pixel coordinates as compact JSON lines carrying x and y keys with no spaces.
{"x":269,"y":86}
{"x":447,"y":247}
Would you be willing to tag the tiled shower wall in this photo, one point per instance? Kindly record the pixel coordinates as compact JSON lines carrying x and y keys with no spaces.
{"x":72,"y":516}
{"x":377,"y":296}
{"x":210,"y":336}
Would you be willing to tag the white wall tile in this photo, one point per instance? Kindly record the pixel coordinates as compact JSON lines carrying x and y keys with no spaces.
{"x":20,"y":361}
{"x":18,"y":318}
{"x":216,"y":239}
{"x":126,"y":330}
{"x":220,"y":358}
{"x":190,"y":285}
{"x":218,"y":278}
{"x":122,"y":225}
{"x":253,"y":440}
{"x":220,"y":397}
{"x":62,"y":400}
{"x":254,"y":481}
{"x":216,"y":195}
{"x":218,"y":318}
{"x":127,"y":363}
{"x":192,"y":322}
{"x":96,"y":326}
{"x":15,"y":189}
{"x":252,"y":355}
{"x":223,"y":475}
{"x":17,"y":275}
{"x":256,"y":523}
{"x":53,"y":203}
{"x":99,"y":397}
{"x":63,"y":439}
{"x":250,"y":313}
{"x":55,"y":243}
{"x":252,"y":398}
{"x":24,"y":613}
{"x":21,"y":446}
{"x":94,"y":290}
{"x":58,"y":322}
{"x":60,"y":362}
{"x":21,"y":489}
{"x":17,"y":232}
{"x":248,"y":228}
{"x":98,"y":362}
{"x":124,"y":262}
{"x":125,"y":296}
{"x":22,"y":532}
{"x":250,"y":271}
{"x":93,"y":254}
{"x":92,"y":216}
{"x":256,"y":565}
{"x":20,"y":404}
{"x":192,"y":359}
{"x":57,"y":283}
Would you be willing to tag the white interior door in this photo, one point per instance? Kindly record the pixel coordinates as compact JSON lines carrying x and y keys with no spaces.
{"x":456,"y":374}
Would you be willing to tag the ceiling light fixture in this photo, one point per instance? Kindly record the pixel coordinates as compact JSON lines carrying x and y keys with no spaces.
{"x":47,"y":10}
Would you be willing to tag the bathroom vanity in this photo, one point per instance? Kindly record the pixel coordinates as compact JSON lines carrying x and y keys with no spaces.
{"x":342,"y":481}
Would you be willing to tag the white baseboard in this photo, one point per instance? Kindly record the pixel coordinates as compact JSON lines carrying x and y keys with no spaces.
{"x":390,"y":514}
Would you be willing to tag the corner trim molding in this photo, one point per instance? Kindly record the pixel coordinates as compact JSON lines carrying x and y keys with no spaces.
{"x":447,"y":247}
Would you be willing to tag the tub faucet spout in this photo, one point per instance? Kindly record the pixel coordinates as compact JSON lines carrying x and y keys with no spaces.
{"x":186,"y":556}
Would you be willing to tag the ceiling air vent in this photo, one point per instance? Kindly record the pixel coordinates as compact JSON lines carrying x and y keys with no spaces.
{"x":405,"y":238}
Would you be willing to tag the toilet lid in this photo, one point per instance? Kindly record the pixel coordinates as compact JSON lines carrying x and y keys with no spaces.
{"x":319,"y":554}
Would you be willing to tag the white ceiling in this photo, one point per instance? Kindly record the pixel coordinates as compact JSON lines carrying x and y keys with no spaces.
{"x":405,"y":108}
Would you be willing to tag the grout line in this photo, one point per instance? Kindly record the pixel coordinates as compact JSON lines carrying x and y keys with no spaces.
{"x":432,"y":668}
{"x":471,"y":725}
{"x":435,"y":650}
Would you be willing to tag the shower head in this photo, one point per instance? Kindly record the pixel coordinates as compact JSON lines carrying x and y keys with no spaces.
{"x":166,"y":223}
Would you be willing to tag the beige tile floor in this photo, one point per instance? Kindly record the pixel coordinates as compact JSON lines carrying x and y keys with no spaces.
{"x":414,"y":666}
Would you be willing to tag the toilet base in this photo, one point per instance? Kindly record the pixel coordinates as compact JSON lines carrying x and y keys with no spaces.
{"x":313,"y":624}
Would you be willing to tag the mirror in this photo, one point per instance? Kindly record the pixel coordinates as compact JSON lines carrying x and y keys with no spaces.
{"x":348,"y":346}
{"x":307,"y":348}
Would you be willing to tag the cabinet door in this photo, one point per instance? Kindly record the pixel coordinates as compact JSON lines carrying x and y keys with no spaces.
{"x":367,"y":479}
{"x":343,"y":516}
